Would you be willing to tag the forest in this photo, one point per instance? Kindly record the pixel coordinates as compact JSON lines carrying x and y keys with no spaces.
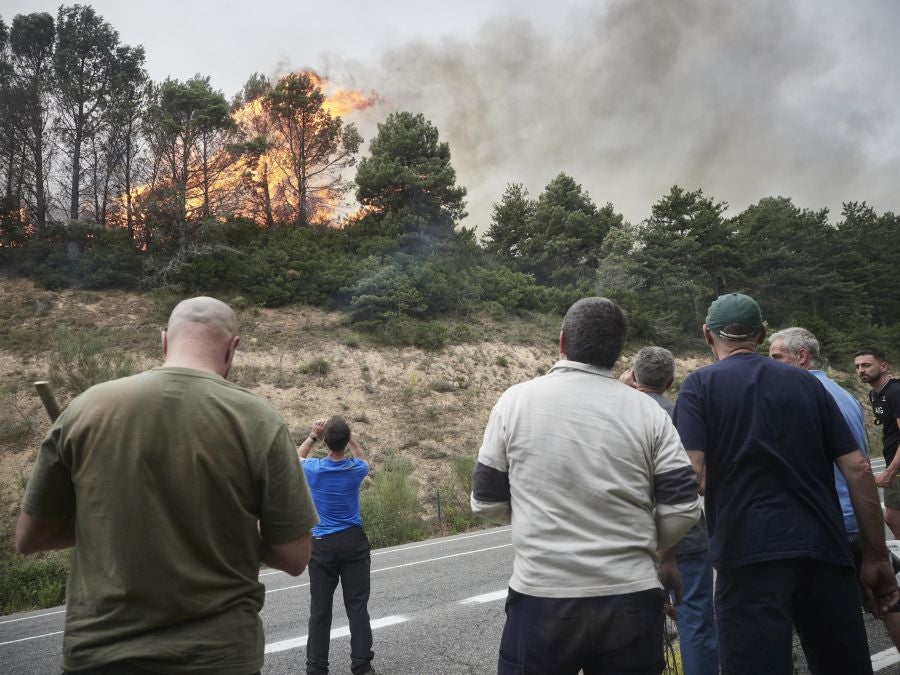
{"x":113,"y":181}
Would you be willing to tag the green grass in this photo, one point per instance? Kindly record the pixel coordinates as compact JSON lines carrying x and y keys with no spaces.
{"x":82,"y":358}
{"x":35,"y":582}
{"x":390,"y":506}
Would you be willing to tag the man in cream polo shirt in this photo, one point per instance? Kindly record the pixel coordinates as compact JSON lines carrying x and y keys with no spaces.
{"x":593,"y":477}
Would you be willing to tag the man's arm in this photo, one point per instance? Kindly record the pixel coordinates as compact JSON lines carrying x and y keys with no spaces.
{"x":356,"y":450}
{"x":698,"y":462}
{"x":292,"y":557}
{"x":34,"y":534}
{"x":884,"y":479}
{"x":490,"y":494}
{"x":491,"y":497}
{"x":315,"y":434}
{"x":876,"y":573}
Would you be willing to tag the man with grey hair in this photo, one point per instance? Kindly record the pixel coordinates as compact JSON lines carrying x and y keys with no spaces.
{"x":172,"y":485}
{"x":763,"y":438}
{"x":653,"y":372}
{"x":798,"y":347}
{"x":594,"y":480}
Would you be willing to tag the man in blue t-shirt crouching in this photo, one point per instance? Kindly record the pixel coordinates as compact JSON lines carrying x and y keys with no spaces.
{"x":340,"y":548}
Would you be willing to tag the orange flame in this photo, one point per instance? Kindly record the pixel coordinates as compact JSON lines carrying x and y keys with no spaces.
{"x":257,"y":187}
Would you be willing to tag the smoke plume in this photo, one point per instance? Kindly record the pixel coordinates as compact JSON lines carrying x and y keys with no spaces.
{"x":743,"y":99}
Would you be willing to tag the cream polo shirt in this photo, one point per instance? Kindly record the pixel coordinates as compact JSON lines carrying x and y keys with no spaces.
{"x":593,"y":477}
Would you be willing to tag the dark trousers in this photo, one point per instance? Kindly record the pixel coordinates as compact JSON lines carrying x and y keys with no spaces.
{"x":343,"y":556}
{"x":756,"y":605}
{"x":120,"y":668}
{"x":599,"y":635}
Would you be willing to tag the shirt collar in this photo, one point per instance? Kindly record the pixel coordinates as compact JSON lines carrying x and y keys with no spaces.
{"x":585,"y":367}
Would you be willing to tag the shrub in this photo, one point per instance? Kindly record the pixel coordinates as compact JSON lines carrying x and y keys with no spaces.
{"x":17,"y":423}
{"x":319,"y":367}
{"x":27,"y":583}
{"x":390,"y":506}
{"x":81,"y":359}
{"x":456,"y":511}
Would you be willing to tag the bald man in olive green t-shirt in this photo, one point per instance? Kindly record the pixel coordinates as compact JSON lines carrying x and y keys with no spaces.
{"x":173,"y":485}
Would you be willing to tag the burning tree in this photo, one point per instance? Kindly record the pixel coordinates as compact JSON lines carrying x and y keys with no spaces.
{"x":312,"y":146}
{"x":188,"y":124}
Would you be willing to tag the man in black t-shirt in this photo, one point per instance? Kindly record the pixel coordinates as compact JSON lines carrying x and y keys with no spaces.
{"x":872,"y":368}
{"x":763,"y":438}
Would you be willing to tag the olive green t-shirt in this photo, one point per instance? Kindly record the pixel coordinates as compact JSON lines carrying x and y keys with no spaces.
{"x":172,"y":475}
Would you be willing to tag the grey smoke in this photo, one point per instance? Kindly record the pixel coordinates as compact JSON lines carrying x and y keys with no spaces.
{"x":743,"y":99}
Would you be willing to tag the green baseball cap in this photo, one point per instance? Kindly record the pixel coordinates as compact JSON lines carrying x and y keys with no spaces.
{"x":733,"y":308}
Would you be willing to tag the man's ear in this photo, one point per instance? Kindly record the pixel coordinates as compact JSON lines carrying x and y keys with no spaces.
{"x":164,"y":339}
{"x":707,"y":335}
{"x":232,"y":348}
{"x":562,"y":346}
{"x":762,"y":334}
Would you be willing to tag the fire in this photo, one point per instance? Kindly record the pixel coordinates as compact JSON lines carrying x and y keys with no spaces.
{"x":257,"y":185}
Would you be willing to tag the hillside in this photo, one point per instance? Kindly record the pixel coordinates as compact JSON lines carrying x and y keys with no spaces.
{"x":428,"y":406}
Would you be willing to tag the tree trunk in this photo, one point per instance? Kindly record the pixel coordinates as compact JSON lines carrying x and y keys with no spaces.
{"x":40,"y":197}
{"x":76,"y":164}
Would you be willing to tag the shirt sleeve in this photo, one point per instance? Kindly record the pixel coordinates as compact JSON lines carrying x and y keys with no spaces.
{"x":490,"y":477}
{"x":287,"y":509}
{"x":675,"y":489}
{"x":689,"y":416}
{"x":840,"y":437}
{"x":50,"y":492}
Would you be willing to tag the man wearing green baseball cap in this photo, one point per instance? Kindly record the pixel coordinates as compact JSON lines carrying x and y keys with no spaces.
{"x":763,"y":437}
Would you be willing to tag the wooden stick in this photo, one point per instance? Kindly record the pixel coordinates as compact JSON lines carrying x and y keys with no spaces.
{"x":48,"y":399}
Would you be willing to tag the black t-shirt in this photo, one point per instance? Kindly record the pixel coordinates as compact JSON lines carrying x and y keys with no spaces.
{"x":770,"y":433}
{"x":886,"y":407}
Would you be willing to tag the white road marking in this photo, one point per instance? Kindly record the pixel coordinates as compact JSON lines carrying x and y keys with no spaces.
{"x":409,"y":564}
{"x":486,"y":597}
{"x":445,"y":541}
{"x":36,"y":616}
{"x":414,"y":546}
{"x":295,"y":643}
{"x":884,"y":659}
{"x":33,"y":637}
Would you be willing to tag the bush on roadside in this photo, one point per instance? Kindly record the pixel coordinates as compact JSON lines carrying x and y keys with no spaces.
{"x":456,"y":510}
{"x":35,"y":582}
{"x":390,"y":507}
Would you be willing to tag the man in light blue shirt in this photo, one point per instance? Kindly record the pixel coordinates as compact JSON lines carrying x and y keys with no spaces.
{"x":340,"y":548}
{"x":799,"y":347}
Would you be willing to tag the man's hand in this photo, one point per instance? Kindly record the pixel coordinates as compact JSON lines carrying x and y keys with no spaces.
{"x":628,"y":378}
{"x":885,"y":478}
{"x":318,"y":429}
{"x":880,"y":584}
{"x":670,"y":578}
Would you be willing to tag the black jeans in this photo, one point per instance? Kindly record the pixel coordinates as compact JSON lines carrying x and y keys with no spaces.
{"x":343,"y":556}
{"x":757,"y":603}
{"x":597,"y":635}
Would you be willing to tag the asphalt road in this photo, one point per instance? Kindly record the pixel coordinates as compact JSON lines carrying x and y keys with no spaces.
{"x":436,"y":607}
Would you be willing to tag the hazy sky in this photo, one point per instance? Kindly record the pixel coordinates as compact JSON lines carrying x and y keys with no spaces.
{"x":743,"y":99}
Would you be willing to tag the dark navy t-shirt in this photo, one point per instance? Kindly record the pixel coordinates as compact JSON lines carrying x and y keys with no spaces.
{"x":334,"y":487}
{"x":770,"y":433}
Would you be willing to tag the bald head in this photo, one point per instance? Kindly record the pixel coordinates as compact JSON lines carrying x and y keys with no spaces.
{"x":202,"y":334}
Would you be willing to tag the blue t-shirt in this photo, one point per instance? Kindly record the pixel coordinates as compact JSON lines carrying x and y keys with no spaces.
{"x":335,"y":491}
{"x":853,"y":415}
{"x":770,"y":433}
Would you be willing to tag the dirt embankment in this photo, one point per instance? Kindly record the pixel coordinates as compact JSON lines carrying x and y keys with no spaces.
{"x":430,"y":406}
